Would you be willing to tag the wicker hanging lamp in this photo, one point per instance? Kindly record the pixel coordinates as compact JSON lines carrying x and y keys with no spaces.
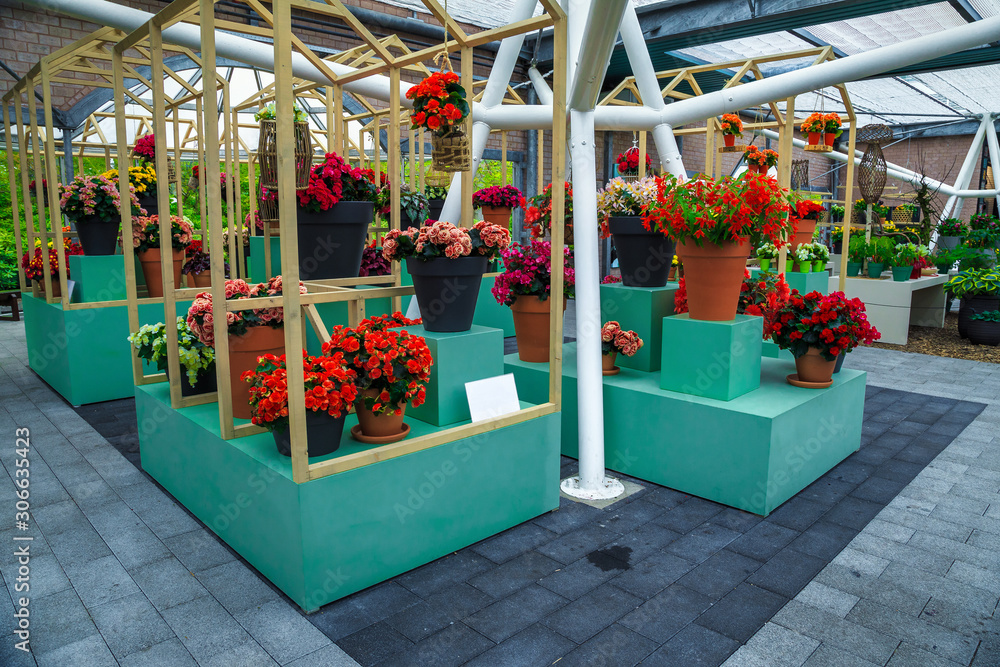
{"x":872,"y":169}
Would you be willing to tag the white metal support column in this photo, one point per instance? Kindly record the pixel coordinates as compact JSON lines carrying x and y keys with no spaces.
{"x":965,"y":173}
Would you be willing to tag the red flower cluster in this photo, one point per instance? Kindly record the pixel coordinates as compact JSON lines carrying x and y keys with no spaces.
{"x":611,"y":280}
{"x":731,"y":124}
{"x":760,"y":158}
{"x":628,"y":162}
{"x":145,"y":148}
{"x":616,"y":339}
{"x":808,"y":210}
{"x":831,"y":323}
{"x":332,"y":181}
{"x":704,"y":210}
{"x":762,"y":296}
{"x":439,"y":103}
{"x":34,"y":265}
{"x":194,"y":247}
{"x":329,"y":388}
{"x":392,"y":367}
{"x":501,"y":196}
{"x":538,"y":216}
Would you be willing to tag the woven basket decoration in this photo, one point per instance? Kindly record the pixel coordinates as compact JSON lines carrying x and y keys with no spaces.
{"x":452,"y":152}
{"x":872,"y":170}
{"x":267,"y":154}
{"x":267,"y":210}
{"x":800,"y":174}
{"x":171,"y":169}
{"x":901,"y":216}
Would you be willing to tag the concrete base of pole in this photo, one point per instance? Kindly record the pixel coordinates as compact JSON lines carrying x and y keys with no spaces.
{"x":608,"y":488}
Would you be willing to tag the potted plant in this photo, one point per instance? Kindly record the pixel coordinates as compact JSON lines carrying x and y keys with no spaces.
{"x":945,"y":258}
{"x":198,"y":266}
{"x":904,"y":256}
{"x":984,"y":328}
{"x":711,"y":225}
{"x":881,"y":254}
{"x":984,"y":241}
{"x":146,"y":241}
{"x":984,"y":222}
{"x":760,"y":160}
{"x":837,"y":213}
{"x":817,"y":329}
{"x":93,"y":203}
{"x":803,"y":257}
{"x":33,"y":265}
{"x":879,"y":211}
{"x":616,"y":340}
{"x":950,"y":233}
{"x":392,"y":367}
{"x":807,"y":214}
{"x":334,"y":214}
{"x":525,"y":286}
{"x":837,"y":240}
{"x":145,"y":151}
{"x":413,"y":207}
{"x":373,"y":262}
{"x":197,"y":360}
{"x":857,"y":251}
{"x":447,"y":264}
{"x":813,"y":127}
{"x":731,"y":127}
{"x":440,"y":107}
{"x":766,"y":253}
{"x":760,"y":295}
{"x":267,"y":147}
{"x":821,"y":255}
{"x":142,"y":179}
{"x":978,"y":291}
{"x":32,"y":186}
{"x":831,"y":128}
{"x":330,"y":392}
{"x":538,"y":215}
{"x":250,"y":333}
{"x":436,"y":195}
{"x":644,"y":254}
{"x":383,"y":191}
{"x":628,"y":162}
{"x":498,"y":202}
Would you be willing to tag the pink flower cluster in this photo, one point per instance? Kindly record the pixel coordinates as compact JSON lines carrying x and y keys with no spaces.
{"x":438,"y":238}
{"x":93,"y":195}
{"x":201,"y":319}
{"x":528,"y":272}
{"x":493,"y":236}
{"x":146,"y":232}
{"x":145,"y":148}
{"x":616,"y":339}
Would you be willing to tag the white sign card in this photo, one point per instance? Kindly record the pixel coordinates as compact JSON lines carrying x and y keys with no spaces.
{"x":492,"y":397}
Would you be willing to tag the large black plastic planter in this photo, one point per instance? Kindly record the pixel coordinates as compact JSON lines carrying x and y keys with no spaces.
{"x":971,"y":305}
{"x":984,"y":332}
{"x":206,"y":383}
{"x":323,"y":431}
{"x":434,"y":208}
{"x":150,"y":204}
{"x":331,"y":242}
{"x":644,"y":257}
{"x":447,"y":290}
{"x":405,"y":221}
{"x":97,"y":235}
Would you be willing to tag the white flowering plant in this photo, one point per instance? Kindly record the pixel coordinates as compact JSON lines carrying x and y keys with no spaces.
{"x":150,"y":341}
{"x":621,"y":198}
{"x":820,"y":252}
{"x":804,"y":252}
{"x":767,"y":251}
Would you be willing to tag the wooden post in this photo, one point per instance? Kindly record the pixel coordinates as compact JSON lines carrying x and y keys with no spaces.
{"x":852,"y":140}
{"x":785,"y":147}
{"x":468,"y":176}
{"x":559,"y":85}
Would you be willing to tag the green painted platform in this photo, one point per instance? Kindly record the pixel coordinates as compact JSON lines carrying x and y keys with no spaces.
{"x":804,"y":282}
{"x":770,"y":349}
{"x":98,"y":278}
{"x":753,"y":453}
{"x":327,"y":538}
{"x":459,"y":357}
{"x":718,"y":360}
{"x":642,"y":310}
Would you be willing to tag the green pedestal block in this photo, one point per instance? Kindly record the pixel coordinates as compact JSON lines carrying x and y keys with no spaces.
{"x":489,"y":313}
{"x":458,"y":358}
{"x":333,"y":314}
{"x":255,"y":263}
{"x":719,"y":360}
{"x":642,"y":310}
{"x":804,"y":282}
{"x":84,"y":354}
{"x":98,"y":278}
{"x":772,"y":351}
{"x":330,"y":537}
{"x":754,"y":452}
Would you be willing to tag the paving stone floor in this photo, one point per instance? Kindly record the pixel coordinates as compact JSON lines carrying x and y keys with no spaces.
{"x":128,"y":577}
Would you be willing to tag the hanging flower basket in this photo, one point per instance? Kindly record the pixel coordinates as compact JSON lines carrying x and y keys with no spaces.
{"x":267,"y":148}
{"x":440,"y":106}
{"x":267,"y":207}
{"x":145,"y":151}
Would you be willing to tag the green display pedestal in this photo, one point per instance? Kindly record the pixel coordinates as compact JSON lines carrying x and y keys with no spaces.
{"x":804,"y":282}
{"x":458,"y":358}
{"x":772,"y":351}
{"x":753,"y":452}
{"x":84,"y":354}
{"x":719,"y":360}
{"x":642,"y":310}
{"x":98,"y":278}
{"x":330,"y":537}
{"x":491,"y":314}
{"x":255,"y":263}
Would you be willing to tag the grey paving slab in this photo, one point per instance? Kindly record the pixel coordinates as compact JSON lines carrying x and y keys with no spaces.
{"x":130,"y":625}
{"x":279,"y":629}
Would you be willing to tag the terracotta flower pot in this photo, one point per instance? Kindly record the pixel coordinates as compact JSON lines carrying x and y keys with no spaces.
{"x":203,"y":279}
{"x":385,"y":425}
{"x":150,"y":261}
{"x":56,"y":287}
{"x":531,"y":326}
{"x":803,"y":232}
{"x":713,"y":275}
{"x":243,"y":354}
{"x":608,"y":360}
{"x":498,"y":215}
{"x":829,"y":138}
{"x":729,"y":140}
{"x":814,"y":367}
{"x":815,"y":138}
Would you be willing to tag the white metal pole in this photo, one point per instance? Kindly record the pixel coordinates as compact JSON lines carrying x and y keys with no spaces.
{"x":991,"y":139}
{"x":965,"y":173}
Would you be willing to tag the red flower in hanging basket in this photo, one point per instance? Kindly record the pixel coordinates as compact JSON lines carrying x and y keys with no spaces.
{"x":731,"y":124}
{"x":145,"y":148}
{"x":628,"y":162}
{"x":761,"y":158}
{"x":439,"y":103}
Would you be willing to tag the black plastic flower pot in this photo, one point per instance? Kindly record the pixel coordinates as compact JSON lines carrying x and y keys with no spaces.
{"x":331,"y":242}
{"x":971,"y":305}
{"x":447,"y":290}
{"x":435,"y":206}
{"x":205,"y":384}
{"x":151,"y":204}
{"x":644,"y":257}
{"x":97,"y":235}
{"x":323,"y":431}
{"x":405,"y":221}
{"x":984,"y":332}
{"x":840,"y":362}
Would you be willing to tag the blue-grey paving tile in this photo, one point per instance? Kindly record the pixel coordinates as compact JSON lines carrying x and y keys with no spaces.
{"x":878,"y":490}
{"x":615,"y":646}
{"x":460,"y":600}
{"x":694,"y":646}
{"x":237,"y":587}
{"x":689,"y":514}
{"x":787,"y":572}
{"x":536,"y":645}
{"x":281,"y":631}
{"x":328,"y":656}
{"x":421,"y":620}
{"x":47,"y":576}
{"x":824,"y":539}
{"x":444,"y":572}
{"x":64,"y":619}
{"x":375,"y":643}
{"x":797,"y":514}
{"x":826,"y":491}
{"x":513,"y":542}
{"x":650,"y":576}
{"x":340,"y":618}
{"x":573,"y":545}
{"x":130,"y":625}
{"x":207,"y":630}
{"x":585,"y":617}
{"x":101,"y":580}
{"x":585,"y":574}
{"x":514,"y":613}
{"x":132,"y":543}
{"x":852,"y":471}
{"x":663,"y":616}
{"x":699,"y":544}
{"x":381,"y":600}
{"x":853,"y":512}
{"x":88,"y":652}
{"x":570,"y":516}
{"x":873,"y":454}
{"x":198,"y":550}
{"x":720,"y":574}
{"x":735,"y":519}
{"x":168,"y":583}
{"x":645,"y":540}
{"x":742,"y":612}
{"x":515,"y":574}
{"x":170,"y":653}
{"x":626,"y":517}
{"x":898,"y":471}
{"x":10,"y":655}
{"x":763,"y":540}
{"x":921,"y":454}
{"x":666,"y":498}
{"x":453,"y":646}
{"x":927,"y":636}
